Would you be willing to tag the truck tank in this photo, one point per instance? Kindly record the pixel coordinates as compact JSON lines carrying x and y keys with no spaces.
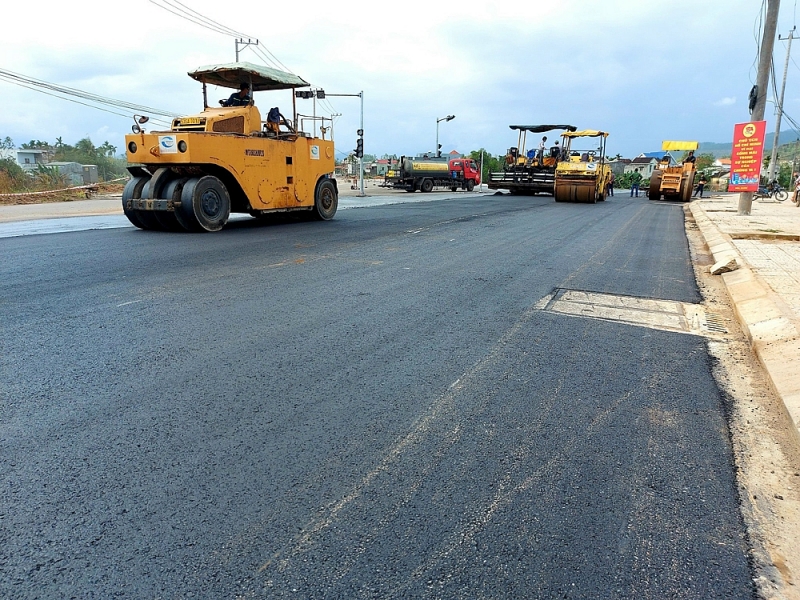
{"x":425,"y":168}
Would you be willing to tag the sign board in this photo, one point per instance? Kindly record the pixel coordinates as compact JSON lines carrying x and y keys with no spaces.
{"x":167,"y":145}
{"x":748,"y":151}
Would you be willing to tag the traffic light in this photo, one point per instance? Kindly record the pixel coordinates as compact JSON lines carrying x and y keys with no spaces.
{"x":360,"y":147}
{"x":321,"y":94}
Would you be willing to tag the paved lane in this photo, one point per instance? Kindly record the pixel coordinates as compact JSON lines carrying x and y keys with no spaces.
{"x":371,"y":407}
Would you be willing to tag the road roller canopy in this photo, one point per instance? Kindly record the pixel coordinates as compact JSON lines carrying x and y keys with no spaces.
{"x":231,"y":75}
{"x":542,"y":128}
{"x":668,"y":145}
{"x":585,"y":133}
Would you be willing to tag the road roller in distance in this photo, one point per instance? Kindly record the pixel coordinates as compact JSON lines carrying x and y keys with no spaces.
{"x":673,"y":182}
{"x":228,"y":159}
{"x":524,"y":171}
{"x":582,"y":173}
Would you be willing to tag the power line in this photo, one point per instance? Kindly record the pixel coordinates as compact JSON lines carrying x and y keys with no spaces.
{"x":64,"y":92}
{"x":171,"y":9}
{"x":179,"y":9}
{"x":757,"y":27}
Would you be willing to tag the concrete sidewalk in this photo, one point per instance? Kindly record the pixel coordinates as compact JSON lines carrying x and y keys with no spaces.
{"x":765,"y":288}
{"x":102,"y":205}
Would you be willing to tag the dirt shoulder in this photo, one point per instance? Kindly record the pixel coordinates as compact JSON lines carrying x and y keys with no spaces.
{"x":764,"y":442}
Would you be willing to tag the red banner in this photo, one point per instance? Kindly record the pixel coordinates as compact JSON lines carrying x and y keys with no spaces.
{"x":748,"y":151}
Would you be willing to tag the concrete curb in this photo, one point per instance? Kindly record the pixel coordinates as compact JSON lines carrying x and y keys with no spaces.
{"x":771,"y":328}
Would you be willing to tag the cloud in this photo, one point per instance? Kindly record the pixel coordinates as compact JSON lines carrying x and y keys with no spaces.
{"x":492,"y":66}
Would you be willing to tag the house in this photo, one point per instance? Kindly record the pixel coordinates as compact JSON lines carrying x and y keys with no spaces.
{"x":642,"y":164}
{"x":72,"y":171}
{"x":722,"y":163}
{"x":618,"y":166}
{"x":28,"y":159}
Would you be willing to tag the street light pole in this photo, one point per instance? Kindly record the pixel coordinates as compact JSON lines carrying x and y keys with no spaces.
{"x":447,"y":118}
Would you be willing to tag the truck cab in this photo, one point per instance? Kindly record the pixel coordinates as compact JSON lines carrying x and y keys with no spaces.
{"x":465,"y":169}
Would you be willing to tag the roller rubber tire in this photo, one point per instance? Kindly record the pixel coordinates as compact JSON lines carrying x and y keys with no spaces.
{"x":133,"y":189}
{"x":205,"y":204}
{"x":147,"y":217}
{"x":169,"y":219}
{"x":326,"y":200}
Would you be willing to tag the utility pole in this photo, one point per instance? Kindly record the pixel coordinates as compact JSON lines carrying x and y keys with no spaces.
{"x":762,"y":82}
{"x":776,"y":139}
{"x":243,"y":44}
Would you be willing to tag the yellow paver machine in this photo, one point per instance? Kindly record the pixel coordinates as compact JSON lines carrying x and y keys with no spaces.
{"x":227,"y":159}
{"x":673,"y":182}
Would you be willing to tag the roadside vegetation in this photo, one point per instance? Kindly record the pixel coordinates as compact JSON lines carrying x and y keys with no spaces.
{"x":14,"y":179}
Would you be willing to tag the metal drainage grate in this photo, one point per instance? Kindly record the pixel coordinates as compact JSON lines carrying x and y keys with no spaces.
{"x":665,"y":315}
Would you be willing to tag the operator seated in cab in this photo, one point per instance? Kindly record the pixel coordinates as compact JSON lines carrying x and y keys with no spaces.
{"x":555,"y":151}
{"x":240,"y":98}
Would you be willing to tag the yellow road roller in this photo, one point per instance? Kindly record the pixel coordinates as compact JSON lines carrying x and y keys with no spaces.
{"x":582,"y":173}
{"x":673,"y":182}
{"x":229,"y":159}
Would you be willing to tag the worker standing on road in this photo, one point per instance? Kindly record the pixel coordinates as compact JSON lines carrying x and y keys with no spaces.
{"x":636,"y":179}
{"x":700,"y":186}
{"x":797,"y":189}
{"x":610,"y":185}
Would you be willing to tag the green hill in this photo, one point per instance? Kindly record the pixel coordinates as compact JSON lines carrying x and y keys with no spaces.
{"x":724,"y":149}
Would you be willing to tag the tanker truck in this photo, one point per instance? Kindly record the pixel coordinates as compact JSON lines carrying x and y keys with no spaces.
{"x":425,"y":174}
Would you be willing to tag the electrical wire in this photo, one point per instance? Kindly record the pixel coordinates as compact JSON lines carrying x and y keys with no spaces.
{"x":179,"y":9}
{"x":64,"y":92}
{"x":757,"y":27}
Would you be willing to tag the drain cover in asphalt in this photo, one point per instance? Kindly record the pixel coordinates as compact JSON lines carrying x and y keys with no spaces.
{"x":666,"y":315}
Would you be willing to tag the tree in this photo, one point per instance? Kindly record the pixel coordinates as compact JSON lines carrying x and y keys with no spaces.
{"x":107,"y":149}
{"x":490,"y":163}
{"x":85,"y":152}
{"x":7,"y":144}
{"x":702,"y":161}
{"x":36,"y":145}
{"x":12,"y":176}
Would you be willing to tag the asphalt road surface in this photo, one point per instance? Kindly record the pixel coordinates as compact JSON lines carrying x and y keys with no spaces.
{"x":372,"y":407}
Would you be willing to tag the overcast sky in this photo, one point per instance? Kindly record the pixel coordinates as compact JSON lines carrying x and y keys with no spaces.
{"x":643,"y":71}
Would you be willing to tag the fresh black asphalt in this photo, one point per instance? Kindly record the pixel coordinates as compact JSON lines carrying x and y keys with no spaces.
{"x":371,"y":407}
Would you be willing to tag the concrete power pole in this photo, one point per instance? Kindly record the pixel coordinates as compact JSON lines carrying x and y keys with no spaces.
{"x":776,"y":140}
{"x":762,"y":82}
